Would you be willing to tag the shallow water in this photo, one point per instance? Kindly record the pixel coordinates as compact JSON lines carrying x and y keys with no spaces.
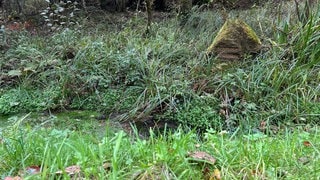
{"x":73,"y":120}
{"x":82,"y":121}
{"x":4,"y":121}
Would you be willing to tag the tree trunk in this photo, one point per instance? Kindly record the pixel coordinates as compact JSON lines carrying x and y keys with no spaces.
{"x":149,"y":4}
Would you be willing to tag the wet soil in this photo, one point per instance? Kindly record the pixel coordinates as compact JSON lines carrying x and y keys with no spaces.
{"x":87,"y":121}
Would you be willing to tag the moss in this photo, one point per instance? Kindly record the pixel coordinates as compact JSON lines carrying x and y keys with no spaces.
{"x":234,"y":39}
{"x":249,"y":31}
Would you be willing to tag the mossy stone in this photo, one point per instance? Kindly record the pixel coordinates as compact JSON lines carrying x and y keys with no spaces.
{"x":234,"y":40}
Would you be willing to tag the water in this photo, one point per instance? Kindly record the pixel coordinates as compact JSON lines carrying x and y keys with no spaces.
{"x":4,"y":121}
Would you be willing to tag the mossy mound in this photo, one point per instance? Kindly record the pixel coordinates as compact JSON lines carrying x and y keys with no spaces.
{"x":235,"y":39}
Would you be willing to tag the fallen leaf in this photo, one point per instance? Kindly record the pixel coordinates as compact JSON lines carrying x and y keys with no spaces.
{"x":216,"y":175}
{"x":307,"y":143}
{"x":15,"y":26}
{"x":203,"y":156}
{"x":12,"y":178}
{"x":71,"y":170}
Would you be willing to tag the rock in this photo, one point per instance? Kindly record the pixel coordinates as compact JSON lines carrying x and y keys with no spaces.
{"x":234,"y":40}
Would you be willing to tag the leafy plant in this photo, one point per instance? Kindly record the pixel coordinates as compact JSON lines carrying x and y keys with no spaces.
{"x":201,"y":113}
{"x":60,"y":15}
{"x":19,"y":100}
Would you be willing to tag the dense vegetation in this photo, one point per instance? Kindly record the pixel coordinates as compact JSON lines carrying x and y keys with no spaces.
{"x":291,"y":154}
{"x":110,"y":65}
{"x":117,"y":68}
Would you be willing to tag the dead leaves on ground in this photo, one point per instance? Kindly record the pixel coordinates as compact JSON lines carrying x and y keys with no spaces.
{"x":12,"y":178}
{"x":200,"y":156}
{"x":207,"y":159}
{"x":216,"y":174}
{"x":74,"y":172}
{"x":307,"y":143}
{"x":30,"y":170}
{"x":71,"y":170}
{"x":208,"y":175}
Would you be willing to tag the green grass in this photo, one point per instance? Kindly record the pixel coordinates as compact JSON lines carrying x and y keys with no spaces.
{"x":164,"y":156}
{"x":123,"y":71}
{"x":268,"y":103}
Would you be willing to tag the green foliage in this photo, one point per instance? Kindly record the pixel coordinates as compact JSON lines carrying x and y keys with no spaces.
{"x":18,"y":100}
{"x":22,"y":7}
{"x":312,"y":113}
{"x":200,"y":113}
{"x":122,"y":71}
{"x":165,"y":76}
{"x":299,"y":32}
{"x":60,"y":15}
{"x":107,"y":101}
{"x":117,"y":156}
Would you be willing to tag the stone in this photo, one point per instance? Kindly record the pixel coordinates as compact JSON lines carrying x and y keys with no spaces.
{"x":234,"y":40}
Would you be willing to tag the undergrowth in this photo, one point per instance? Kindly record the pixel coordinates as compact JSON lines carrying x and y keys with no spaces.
{"x":167,"y":74}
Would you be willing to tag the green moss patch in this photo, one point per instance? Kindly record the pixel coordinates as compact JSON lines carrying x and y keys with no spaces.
{"x":234,"y":39}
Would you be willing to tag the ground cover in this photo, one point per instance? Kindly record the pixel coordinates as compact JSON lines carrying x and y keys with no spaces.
{"x":268,"y":102}
{"x":79,"y":150}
